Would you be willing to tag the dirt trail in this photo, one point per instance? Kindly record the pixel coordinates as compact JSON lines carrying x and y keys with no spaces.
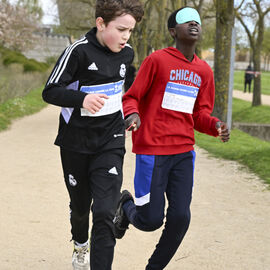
{"x":248,"y":97}
{"x":230,"y":209}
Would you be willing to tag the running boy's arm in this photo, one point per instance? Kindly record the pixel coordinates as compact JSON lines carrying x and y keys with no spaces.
{"x":62,"y":88}
{"x":223,"y":131}
{"x":132,"y":122}
{"x":139,"y":88}
{"x":203,"y":121}
{"x":137,"y":91}
{"x":94,"y":102}
{"x":55,"y":91}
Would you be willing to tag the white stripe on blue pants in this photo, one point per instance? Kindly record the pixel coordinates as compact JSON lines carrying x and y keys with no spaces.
{"x":155,"y":177}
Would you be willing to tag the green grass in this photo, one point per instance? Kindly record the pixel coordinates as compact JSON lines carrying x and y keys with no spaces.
{"x":239,"y":81}
{"x":247,"y":150}
{"x":242,"y":111}
{"x":19,"y":107}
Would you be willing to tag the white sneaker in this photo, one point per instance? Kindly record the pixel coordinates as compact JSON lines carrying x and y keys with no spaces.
{"x":80,"y":258}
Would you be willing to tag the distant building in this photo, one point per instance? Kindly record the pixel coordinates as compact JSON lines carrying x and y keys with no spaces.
{"x":48,"y":44}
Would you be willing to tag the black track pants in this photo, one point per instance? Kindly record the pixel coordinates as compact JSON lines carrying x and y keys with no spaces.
{"x":94,"y":180}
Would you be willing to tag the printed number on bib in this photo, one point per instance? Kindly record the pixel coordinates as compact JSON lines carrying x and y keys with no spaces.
{"x":179,"y":97}
{"x":112,"y":104}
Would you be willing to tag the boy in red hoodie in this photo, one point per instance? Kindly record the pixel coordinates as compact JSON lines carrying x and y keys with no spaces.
{"x":173,"y":94}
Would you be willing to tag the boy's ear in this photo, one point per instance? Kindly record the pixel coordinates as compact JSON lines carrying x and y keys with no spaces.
{"x":172,"y":32}
{"x":100,"y":23}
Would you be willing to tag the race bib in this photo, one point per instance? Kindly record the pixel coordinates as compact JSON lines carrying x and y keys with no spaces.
{"x":179,"y":97}
{"x":112,"y":104}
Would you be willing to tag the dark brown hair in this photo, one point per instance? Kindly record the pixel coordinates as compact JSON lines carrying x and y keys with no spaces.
{"x":108,"y":10}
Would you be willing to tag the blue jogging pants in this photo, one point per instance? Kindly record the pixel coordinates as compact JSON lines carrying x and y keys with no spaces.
{"x":155,"y":177}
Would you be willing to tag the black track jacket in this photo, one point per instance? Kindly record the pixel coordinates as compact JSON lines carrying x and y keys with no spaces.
{"x":87,"y":63}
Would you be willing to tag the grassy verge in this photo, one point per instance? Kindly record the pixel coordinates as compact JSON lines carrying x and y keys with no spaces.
{"x":247,"y":150}
{"x":19,"y":107}
{"x":239,"y":81}
{"x":245,"y":113}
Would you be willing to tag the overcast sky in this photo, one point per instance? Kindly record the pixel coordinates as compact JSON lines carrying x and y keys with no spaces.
{"x":49,"y":8}
{"x":50,"y":11}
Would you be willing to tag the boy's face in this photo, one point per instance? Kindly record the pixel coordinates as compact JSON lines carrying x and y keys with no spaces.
{"x":116,"y":33}
{"x":189,"y":31}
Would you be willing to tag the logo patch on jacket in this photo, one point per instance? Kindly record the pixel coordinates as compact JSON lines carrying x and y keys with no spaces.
{"x":122,"y":71}
{"x":93,"y":66}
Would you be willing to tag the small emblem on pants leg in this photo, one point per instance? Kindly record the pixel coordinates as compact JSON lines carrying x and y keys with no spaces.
{"x":72,"y":180}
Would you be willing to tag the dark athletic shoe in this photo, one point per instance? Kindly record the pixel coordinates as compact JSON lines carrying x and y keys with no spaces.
{"x":120,"y":220}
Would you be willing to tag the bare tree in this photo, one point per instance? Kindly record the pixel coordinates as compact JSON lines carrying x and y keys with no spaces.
{"x":149,"y":35}
{"x":224,"y":24}
{"x":256,"y":11}
{"x":207,"y":11}
{"x":76,"y":16}
{"x":33,"y":8}
{"x":152,"y":33}
{"x":17,"y":26}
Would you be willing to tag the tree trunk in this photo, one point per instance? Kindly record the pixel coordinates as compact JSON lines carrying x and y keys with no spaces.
{"x":256,"y":101}
{"x":224,"y":24}
{"x":199,"y":9}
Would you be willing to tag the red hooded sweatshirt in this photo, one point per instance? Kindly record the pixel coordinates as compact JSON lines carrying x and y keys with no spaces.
{"x":172,"y":97}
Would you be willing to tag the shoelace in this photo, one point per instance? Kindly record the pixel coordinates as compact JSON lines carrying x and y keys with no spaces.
{"x":81,"y":253}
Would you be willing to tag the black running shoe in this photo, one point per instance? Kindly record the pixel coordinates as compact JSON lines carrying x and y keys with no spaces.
{"x":120,"y":220}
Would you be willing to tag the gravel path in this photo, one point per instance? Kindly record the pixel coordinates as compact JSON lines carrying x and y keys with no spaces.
{"x":230,"y":209}
{"x":248,"y":97}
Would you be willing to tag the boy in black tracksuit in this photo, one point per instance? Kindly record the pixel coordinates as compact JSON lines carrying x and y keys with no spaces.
{"x":87,"y":82}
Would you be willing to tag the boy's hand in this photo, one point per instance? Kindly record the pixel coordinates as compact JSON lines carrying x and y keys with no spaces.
{"x":133,"y":122}
{"x":94,"y":102}
{"x":223,"y":131}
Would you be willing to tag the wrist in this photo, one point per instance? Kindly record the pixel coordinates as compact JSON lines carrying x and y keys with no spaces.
{"x":218,"y":125}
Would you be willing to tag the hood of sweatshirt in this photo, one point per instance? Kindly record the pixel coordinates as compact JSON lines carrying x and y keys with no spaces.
{"x":176,"y":53}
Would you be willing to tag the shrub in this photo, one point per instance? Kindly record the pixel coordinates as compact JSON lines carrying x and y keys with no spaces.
{"x":10,"y":57}
{"x":29,"y":65}
{"x":16,"y":83}
{"x":19,"y":75}
{"x":51,"y":60}
{"x":32,"y":65}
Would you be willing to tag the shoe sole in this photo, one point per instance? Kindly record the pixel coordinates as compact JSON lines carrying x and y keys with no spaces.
{"x":118,"y":231}
{"x":79,"y":267}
